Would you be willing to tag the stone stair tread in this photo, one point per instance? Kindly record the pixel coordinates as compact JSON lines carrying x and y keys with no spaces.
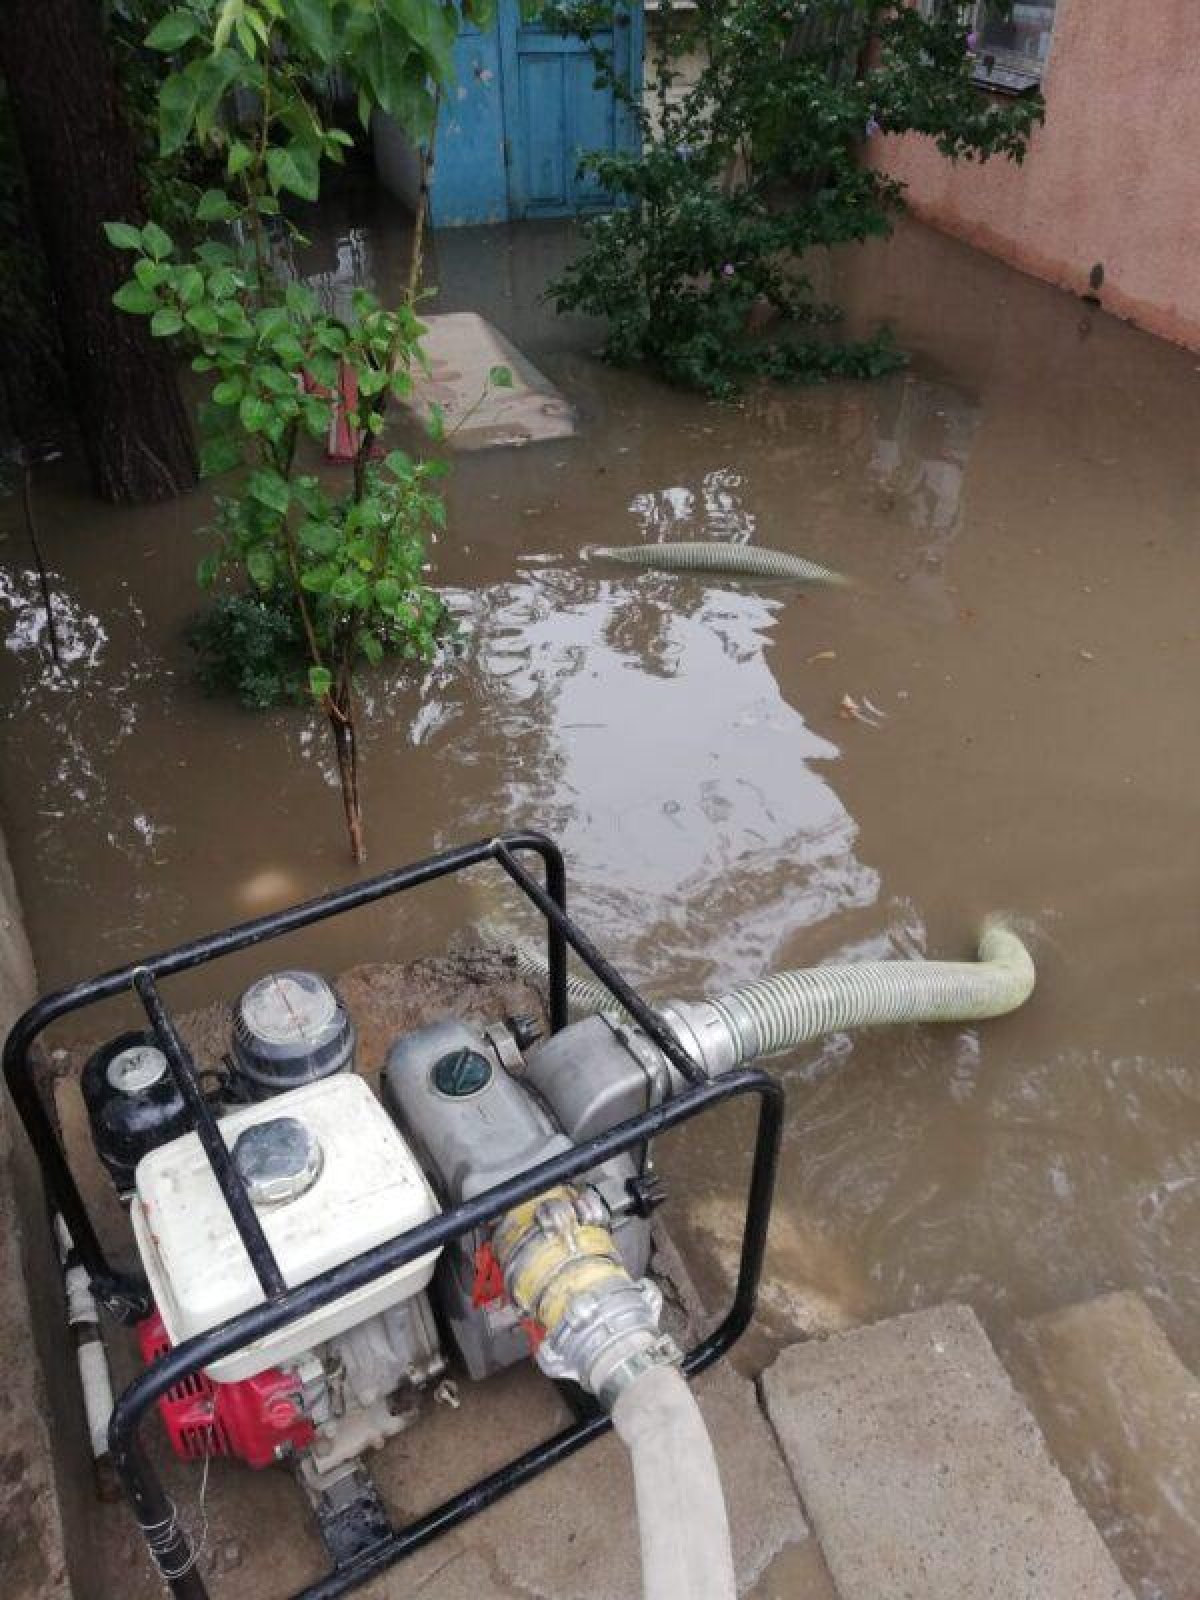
{"x":1121,"y":1414}
{"x":923,"y":1473}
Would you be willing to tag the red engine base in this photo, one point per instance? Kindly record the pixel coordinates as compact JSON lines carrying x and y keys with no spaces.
{"x":256,"y":1419}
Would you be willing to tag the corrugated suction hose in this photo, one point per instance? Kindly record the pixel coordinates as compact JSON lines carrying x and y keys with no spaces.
{"x":769,"y":1016}
{"x":718,"y":556}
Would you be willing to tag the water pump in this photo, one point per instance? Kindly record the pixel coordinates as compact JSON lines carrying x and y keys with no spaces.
{"x":316,"y":1256}
{"x":331,"y":1172}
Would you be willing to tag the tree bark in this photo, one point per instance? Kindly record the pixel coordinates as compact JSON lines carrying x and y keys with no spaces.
{"x":80,"y":162}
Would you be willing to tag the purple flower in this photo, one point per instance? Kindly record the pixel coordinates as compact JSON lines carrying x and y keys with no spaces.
{"x":873,"y":127}
{"x":728,"y":270}
{"x":973,"y":41}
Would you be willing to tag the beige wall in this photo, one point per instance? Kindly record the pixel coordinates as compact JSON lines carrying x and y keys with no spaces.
{"x":1113,"y":176}
{"x":40,"y":1387}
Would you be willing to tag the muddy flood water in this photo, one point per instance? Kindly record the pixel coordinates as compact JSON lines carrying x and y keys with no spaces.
{"x":1018,"y":510}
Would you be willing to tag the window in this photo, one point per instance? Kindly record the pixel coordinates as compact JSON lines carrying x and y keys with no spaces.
{"x":1013,"y":44}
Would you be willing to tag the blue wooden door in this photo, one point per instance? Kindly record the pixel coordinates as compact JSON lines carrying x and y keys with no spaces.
{"x":553,"y":111}
{"x":470,"y":176}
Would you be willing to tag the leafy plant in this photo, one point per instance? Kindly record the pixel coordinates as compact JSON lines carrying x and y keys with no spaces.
{"x":329,"y":581}
{"x":252,"y":646}
{"x":755,"y":162}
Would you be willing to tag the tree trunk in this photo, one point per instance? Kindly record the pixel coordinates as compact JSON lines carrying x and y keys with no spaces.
{"x":345,"y":744}
{"x":80,"y":162}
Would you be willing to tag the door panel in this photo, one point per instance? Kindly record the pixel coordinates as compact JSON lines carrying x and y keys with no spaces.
{"x":542,"y":136}
{"x":470,"y":182}
{"x":554,"y":112}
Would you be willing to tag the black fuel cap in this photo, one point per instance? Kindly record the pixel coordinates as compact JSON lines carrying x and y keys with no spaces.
{"x":461,"y":1073}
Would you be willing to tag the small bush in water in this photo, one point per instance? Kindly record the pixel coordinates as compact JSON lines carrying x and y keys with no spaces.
{"x":329,"y":581}
{"x":755,"y":162}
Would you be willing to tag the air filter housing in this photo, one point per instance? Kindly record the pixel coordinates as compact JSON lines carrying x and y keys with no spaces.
{"x":289,"y":1029}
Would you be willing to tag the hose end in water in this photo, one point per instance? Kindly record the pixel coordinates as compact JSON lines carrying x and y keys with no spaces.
{"x":1000,"y":946}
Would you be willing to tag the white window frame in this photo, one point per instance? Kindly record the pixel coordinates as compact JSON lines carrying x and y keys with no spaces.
{"x":1023,"y":70}
{"x":1009,"y":71}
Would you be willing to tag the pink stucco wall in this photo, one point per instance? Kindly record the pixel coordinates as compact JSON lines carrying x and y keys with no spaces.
{"x":1113,"y":175}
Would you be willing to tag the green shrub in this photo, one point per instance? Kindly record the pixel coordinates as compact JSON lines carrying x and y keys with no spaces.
{"x":755,"y":163}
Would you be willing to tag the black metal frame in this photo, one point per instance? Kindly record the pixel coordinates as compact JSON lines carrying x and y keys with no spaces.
{"x":127,"y":1298}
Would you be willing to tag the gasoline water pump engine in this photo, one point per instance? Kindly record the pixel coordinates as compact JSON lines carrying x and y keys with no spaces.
{"x":315,"y":1255}
{"x":331,"y":1172}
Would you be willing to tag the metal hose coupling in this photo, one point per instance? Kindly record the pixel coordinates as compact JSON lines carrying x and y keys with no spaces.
{"x":563,"y":1272}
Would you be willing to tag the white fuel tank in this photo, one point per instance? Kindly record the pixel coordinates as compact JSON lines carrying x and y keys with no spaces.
{"x":344,"y":1181}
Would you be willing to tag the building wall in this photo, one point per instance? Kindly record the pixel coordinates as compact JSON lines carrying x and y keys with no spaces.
{"x":45,"y":1472}
{"x":1112,"y":177}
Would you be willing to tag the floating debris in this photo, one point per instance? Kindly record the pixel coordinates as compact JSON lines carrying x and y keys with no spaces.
{"x":864,"y":711}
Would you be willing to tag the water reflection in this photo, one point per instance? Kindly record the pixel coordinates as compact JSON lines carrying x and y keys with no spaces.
{"x":644,"y":716}
{"x":715,"y":510}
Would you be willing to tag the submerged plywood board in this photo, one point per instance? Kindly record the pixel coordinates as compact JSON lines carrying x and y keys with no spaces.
{"x":923,"y":1473}
{"x":462,"y":349}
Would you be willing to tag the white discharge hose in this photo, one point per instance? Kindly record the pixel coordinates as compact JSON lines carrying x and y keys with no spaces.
{"x":684,"y":1530}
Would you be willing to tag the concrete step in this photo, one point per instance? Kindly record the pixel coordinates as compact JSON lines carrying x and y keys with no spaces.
{"x":924,"y":1475}
{"x":1121,"y":1414}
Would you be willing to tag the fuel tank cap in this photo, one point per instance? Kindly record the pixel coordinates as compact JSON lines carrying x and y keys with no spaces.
{"x":278,"y":1160}
{"x":136,"y":1068}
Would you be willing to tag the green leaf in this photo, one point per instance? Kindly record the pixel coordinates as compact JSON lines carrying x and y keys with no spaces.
{"x":295,"y":167}
{"x":132,"y":297}
{"x":214,"y":253}
{"x":269,"y":488}
{"x":260,"y":564}
{"x":176,"y":29}
{"x":318,"y":580}
{"x":219,"y":455}
{"x":500,"y":378}
{"x":322,"y":538}
{"x":370,"y":646}
{"x":215,"y":206}
{"x":150,"y":274}
{"x":123,"y":235}
{"x":255,"y":414}
{"x":240,"y":157}
{"x":228,"y":392}
{"x":189,"y":99}
{"x":230,"y":12}
{"x":320,"y":682}
{"x":387,"y":592}
{"x":204,"y":320}
{"x":298,"y":297}
{"x":207,"y":569}
{"x":165,"y":322}
{"x":313,"y":22}
{"x":176,"y":112}
{"x":189,"y":286}
{"x":351,"y":589}
{"x":156,"y":242}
